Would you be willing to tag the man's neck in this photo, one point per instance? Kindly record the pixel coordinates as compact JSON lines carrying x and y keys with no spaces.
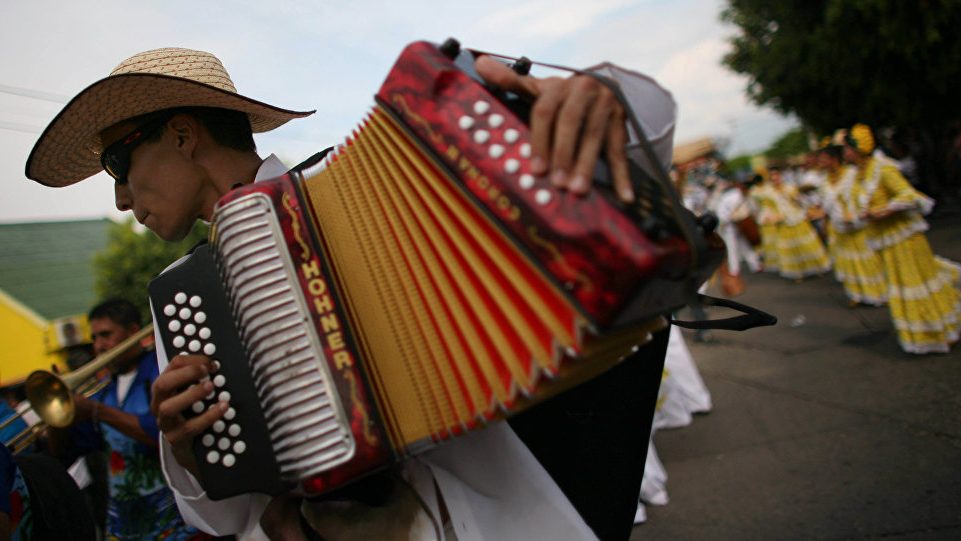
{"x":226,"y":168}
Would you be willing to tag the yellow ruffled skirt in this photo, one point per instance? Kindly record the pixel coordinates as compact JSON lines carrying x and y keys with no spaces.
{"x":799,"y":251}
{"x":769,"y":247}
{"x":923,"y":297}
{"x":857,"y":267}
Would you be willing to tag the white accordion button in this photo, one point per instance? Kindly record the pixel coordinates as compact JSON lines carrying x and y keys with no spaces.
{"x":240,"y":447}
{"x":481,"y":107}
{"x":543,"y":197}
{"x":481,"y":136}
{"x":496,"y":151}
{"x":527,"y":181}
{"x":190,"y":329}
{"x":200,"y":317}
{"x":219,"y":426}
{"x":210,"y":396}
{"x":223,"y":444}
{"x":170,"y":310}
{"x":204,"y":333}
{"x":208,"y":440}
{"x":185,"y":313}
{"x":180,"y":297}
{"x":213,"y":457}
{"x":216,"y":364}
{"x":229,"y":460}
{"x":511,"y":135}
{"x":210,"y":349}
{"x":230,"y":414}
{"x":512,"y":165}
{"x":224,"y":396}
{"x":194,"y":346}
{"x":495,"y":120}
{"x":233,"y":430}
{"x":526,"y":150}
{"x":195,"y":301}
{"x":179,"y":341}
{"x":198,"y":407}
{"x":465,"y":122}
{"x":174,"y":325}
{"x":219,"y":380}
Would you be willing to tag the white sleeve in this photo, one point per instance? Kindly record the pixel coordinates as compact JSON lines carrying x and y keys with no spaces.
{"x":238,"y":515}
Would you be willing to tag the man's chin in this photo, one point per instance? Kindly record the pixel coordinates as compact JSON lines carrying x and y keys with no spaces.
{"x":173,"y":234}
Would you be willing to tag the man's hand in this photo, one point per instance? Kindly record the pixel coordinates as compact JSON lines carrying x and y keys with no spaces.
{"x":83,"y":407}
{"x":182,"y":383}
{"x":572,"y":120}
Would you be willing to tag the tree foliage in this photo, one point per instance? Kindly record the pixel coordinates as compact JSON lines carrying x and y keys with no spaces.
{"x":790,"y":144}
{"x":132,"y":258}
{"x":836,"y":62}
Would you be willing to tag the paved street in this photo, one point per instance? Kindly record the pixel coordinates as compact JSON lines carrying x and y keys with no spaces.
{"x":821,"y":429}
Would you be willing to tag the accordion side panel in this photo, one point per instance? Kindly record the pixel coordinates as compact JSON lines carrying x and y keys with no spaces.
{"x":587,"y":244}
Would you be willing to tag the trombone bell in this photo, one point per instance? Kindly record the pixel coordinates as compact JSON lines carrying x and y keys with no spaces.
{"x":50,"y":398}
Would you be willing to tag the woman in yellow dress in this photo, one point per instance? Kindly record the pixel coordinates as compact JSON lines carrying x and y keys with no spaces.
{"x":792,"y":242}
{"x":924,"y":301}
{"x":856,"y":266}
{"x":761,"y":198}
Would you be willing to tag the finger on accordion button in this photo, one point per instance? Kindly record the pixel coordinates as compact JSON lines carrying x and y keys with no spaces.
{"x":230,"y":414}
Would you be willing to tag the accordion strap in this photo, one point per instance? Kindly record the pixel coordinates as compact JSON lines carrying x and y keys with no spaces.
{"x":750,"y":317}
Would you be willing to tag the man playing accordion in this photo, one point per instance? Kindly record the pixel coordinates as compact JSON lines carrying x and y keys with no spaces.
{"x":170,"y":128}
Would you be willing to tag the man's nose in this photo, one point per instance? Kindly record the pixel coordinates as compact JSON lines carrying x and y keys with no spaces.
{"x":122,"y":197}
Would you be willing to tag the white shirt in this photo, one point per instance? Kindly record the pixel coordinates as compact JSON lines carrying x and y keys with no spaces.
{"x":491,"y":484}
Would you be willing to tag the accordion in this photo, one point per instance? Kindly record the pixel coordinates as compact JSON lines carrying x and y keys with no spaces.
{"x":416,"y":284}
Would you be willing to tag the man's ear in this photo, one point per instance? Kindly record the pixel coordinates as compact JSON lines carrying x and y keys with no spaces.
{"x":186,"y":132}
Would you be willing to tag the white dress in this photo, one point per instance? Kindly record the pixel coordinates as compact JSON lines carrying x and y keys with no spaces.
{"x":681,"y":395}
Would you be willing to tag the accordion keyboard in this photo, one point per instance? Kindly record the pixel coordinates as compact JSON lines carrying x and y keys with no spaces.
{"x":193,"y":319}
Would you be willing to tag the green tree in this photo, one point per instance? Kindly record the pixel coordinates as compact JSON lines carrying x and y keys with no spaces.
{"x":132,"y":258}
{"x":833,"y":63}
{"x":789,"y":144}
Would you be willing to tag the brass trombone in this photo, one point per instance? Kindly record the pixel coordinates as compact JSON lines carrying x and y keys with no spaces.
{"x":51,"y":396}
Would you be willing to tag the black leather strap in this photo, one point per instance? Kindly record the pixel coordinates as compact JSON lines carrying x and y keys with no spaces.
{"x":750,"y":317}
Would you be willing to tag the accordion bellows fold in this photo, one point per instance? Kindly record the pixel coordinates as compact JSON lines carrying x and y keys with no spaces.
{"x":458,"y":327}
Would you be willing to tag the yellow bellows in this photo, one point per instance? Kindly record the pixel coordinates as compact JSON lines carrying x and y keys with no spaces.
{"x":453,"y":323}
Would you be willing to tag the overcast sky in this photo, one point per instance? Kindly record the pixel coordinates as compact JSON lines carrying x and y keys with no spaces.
{"x":332,"y":56}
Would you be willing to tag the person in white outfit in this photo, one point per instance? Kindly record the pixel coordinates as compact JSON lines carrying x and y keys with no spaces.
{"x":732,"y":207}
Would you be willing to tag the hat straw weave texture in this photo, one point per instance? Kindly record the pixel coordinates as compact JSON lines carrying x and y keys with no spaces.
{"x":69,"y":149}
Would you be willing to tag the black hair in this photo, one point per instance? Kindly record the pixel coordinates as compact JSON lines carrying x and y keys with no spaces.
{"x":229,"y":128}
{"x":120,"y":311}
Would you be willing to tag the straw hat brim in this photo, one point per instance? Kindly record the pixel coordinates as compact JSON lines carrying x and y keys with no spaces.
{"x":69,"y":149}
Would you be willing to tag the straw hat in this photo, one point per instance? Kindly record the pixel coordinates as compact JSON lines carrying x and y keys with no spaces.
{"x":69,"y":149}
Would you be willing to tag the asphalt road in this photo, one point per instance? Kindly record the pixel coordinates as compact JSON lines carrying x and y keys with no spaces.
{"x":821,"y":429}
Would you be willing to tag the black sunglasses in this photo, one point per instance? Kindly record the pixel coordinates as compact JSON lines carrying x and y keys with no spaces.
{"x":115,"y":159}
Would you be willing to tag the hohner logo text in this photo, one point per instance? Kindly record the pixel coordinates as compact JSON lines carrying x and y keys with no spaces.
{"x":491,"y":192}
{"x":323,"y":305}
